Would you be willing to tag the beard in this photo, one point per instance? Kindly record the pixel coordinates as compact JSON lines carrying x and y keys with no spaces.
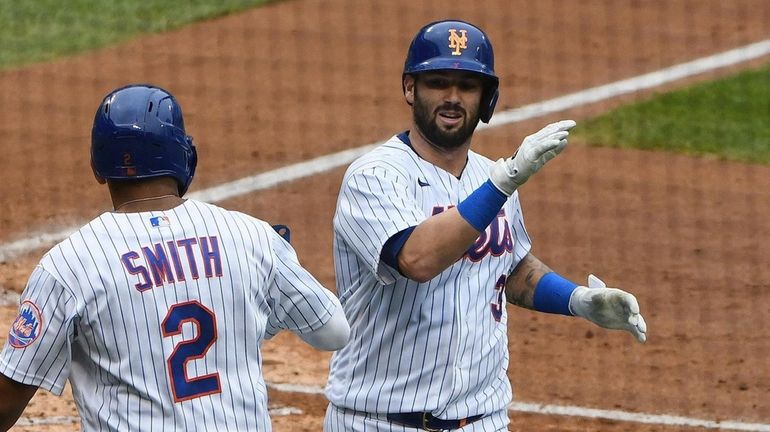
{"x":443,"y":139}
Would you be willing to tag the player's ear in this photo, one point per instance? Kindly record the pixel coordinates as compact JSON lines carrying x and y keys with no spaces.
{"x":99,"y":179}
{"x":409,"y":84}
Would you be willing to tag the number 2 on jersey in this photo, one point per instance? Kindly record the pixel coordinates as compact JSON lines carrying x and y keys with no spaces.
{"x":183,"y":387}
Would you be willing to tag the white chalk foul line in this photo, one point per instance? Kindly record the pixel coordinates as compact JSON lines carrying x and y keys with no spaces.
{"x":284,"y":411}
{"x":624,"y":416}
{"x":575,"y":411}
{"x":47,"y":421}
{"x":8,"y":298}
{"x":331,"y":161}
{"x":623,"y":87}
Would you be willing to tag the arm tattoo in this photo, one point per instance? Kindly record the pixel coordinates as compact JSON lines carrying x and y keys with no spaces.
{"x":520,"y":286}
{"x":530,"y":280}
{"x":517,"y":297}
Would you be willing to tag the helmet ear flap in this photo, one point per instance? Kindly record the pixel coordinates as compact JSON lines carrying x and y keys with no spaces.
{"x":488,"y":106}
{"x":192,"y":163}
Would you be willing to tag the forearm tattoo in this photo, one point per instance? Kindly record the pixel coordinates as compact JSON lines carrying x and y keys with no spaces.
{"x":520,"y":286}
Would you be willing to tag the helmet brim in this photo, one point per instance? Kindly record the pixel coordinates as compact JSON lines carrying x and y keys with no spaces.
{"x":440,"y":63}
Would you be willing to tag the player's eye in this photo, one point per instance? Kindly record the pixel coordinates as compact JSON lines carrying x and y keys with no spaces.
{"x":470,"y":85}
{"x":436,"y":82}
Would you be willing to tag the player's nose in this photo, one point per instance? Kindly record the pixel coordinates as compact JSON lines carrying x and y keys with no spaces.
{"x":452,"y":94}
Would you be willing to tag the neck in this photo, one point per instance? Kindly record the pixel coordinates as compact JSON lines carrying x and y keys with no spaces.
{"x":450,"y":160}
{"x":150,"y":203}
{"x":153,"y":194}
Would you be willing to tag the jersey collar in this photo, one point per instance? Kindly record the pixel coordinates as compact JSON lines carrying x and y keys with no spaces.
{"x":404,"y":138}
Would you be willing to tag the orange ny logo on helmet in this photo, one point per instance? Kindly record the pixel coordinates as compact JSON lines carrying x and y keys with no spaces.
{"x":457,"y":42}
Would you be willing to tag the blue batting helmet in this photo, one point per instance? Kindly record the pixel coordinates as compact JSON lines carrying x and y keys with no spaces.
{"x":139,"y":133}
{"x":455,"y":45}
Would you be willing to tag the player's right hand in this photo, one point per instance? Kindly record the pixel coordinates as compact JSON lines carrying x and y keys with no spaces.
{"x":534,"y":152}
{"x":611,"y":308}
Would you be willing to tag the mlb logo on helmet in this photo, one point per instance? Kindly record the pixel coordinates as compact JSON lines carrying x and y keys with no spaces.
{"x":26,"y":327}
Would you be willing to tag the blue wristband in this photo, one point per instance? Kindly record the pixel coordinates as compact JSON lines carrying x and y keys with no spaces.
{"x":552,"y":294}
{"x":482,"y":206}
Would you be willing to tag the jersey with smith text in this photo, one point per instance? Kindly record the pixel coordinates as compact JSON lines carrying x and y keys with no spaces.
{"x":157,"y":318}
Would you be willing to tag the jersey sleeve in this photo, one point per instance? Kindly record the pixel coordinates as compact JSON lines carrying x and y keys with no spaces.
{"x":38,"y":349}
{"x":297,"y":301}
{"x":373,"y":206}
{"x":521,"y":241}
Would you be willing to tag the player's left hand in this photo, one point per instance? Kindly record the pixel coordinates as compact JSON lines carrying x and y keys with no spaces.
{"x":610,"y":308}
{"x":536,"y":149}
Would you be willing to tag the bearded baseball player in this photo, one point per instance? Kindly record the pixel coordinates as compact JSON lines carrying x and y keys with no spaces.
{"x":155,"y":311}
{"x":430,"y":243}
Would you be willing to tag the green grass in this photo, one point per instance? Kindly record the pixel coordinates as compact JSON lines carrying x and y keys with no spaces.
{"x":39,"y":30}
{"x":729,"y":118}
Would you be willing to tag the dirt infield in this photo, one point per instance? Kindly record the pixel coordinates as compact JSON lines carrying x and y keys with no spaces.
{"x":300,"y":79}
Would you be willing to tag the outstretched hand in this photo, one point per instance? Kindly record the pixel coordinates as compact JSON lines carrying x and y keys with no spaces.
{"x":534,"y":152}
{"x":610,"y":308}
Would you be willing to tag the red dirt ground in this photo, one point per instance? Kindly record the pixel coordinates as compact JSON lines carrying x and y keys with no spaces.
{"x":300,"y":79}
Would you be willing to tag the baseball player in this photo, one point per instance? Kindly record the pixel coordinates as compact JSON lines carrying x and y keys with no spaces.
{"x":156,"y":311}
{"x":430,"y":243}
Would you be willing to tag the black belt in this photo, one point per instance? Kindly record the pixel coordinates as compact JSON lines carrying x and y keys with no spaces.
{"x":426,"y":421}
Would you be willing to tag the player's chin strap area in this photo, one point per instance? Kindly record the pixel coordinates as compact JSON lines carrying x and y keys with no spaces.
{"x":426,"y":421}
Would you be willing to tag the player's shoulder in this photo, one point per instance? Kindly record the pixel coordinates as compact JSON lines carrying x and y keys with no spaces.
{"x":62,"y":260}
{"x":238,"y":216}
{"x":67,"y":246}
{"x":394,"y":156}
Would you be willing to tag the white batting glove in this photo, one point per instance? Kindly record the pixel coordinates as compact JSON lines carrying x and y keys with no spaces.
{"x":610,"y":308}
{"x":534,"y":152}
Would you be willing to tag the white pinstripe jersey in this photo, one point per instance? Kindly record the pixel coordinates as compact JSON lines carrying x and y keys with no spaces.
{"x":438,"y":346}
{"x":157,"y":318}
